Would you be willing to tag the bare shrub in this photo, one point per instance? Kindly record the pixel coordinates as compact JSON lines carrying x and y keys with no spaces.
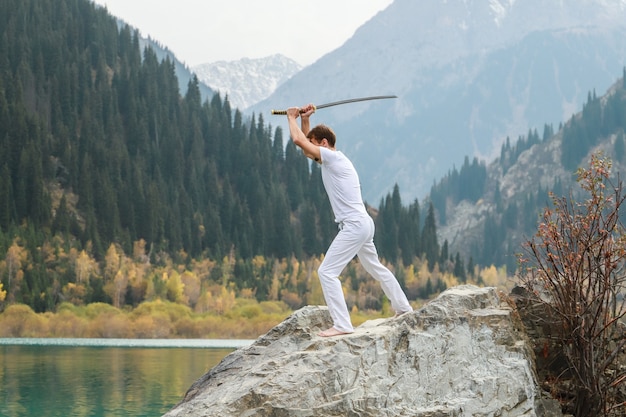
{"x":575,"y":267}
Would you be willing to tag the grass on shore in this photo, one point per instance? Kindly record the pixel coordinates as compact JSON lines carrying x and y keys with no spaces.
{"x":248,"y":319}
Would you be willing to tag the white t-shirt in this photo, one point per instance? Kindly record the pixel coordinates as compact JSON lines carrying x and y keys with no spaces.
{"x":342,"y":185}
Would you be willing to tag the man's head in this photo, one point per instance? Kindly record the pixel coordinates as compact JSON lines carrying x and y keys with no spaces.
{"x":321,"y":132}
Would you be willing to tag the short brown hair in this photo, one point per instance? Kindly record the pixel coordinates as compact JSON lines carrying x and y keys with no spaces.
{"x":320,"y":132}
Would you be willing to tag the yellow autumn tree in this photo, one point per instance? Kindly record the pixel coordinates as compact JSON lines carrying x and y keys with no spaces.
{"x":111,"y":263}
{"x":489,"y":276}
{"x":139,"y":251}
{"x":119,"y":288}
{"x":74,"y":293}
{"x":275,"y":284}
{"x":274,"y":289}
{"x":137,"y":284}
{"x":175,"y":288}
{"x":218,"y":303}
{"x":191,"y":287}
{"x":3,"y":293}
{"x":202,"y":268}
{"x":315,"y":296}
{"x":115,"y":280}
{"x":202,"y":305}
{"x":449,"y":279}
{"x":495,"y":277}
{"x":138,"y":270}
{"x":15,"y":259}
{"x":226,"y":299}
{"x":228,"y":266}
{"x":84,"y":267}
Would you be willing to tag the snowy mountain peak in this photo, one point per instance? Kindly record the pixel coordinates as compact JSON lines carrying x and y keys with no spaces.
{"x":500,"y":9}
{"x":247,"y":81}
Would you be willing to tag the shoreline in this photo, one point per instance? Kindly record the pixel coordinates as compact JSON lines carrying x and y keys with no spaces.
{"x":127,"y":343}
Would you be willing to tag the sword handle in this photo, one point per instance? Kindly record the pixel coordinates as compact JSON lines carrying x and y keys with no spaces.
{"x":284,"y":112}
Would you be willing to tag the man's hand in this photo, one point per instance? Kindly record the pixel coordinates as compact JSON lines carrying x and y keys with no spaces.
{"x":298,"y":133}
{"x":293,"y":112}
{"x":307,"y":110}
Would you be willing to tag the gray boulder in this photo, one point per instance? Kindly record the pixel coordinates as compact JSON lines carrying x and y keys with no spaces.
{"x":463,"y":354}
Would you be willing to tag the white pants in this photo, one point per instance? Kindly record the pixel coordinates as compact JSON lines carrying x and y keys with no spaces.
{"x":356,"y":237}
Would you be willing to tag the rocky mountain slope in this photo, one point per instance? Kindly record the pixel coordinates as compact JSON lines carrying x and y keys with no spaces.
{"x":247,"y":81}
{"x":468,"y":74}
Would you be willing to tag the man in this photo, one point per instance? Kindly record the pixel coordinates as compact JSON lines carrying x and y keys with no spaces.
{"x":356,"y":227}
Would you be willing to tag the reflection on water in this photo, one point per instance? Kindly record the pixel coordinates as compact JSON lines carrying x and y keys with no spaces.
{"x":42,"y":380}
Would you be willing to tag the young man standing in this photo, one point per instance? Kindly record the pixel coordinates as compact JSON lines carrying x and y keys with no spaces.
{"x":356,"y":227}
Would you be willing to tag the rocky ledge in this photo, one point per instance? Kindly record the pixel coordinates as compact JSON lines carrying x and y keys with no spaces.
{"x":463,"y":354}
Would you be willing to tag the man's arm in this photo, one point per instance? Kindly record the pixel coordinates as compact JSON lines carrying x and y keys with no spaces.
{"x":305,"y":124}
{"x":298,"y":134}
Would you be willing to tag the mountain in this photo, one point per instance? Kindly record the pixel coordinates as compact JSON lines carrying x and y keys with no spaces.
{"x":468,"y":75}
{"x":247,"y":81}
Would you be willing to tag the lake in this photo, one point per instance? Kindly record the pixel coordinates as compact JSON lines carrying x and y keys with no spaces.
{"x":102,"y":377}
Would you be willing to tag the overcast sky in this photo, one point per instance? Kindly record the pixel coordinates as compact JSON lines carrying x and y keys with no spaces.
{"x":201,"y":31}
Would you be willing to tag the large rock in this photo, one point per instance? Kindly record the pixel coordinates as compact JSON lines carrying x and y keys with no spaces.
{"x":463,"y":354}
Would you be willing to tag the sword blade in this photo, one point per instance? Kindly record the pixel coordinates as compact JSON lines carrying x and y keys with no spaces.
{"x":353,"y":100}
{"x":336,"y":103}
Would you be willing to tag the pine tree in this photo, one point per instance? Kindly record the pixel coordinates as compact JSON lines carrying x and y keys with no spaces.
{"x":61,"y":222}
{"x":7,"y":207}
{"x":430,"y":246}
{"x":459,"y":268}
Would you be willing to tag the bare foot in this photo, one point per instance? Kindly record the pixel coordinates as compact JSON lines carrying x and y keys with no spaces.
{"x":399,"y":314}
{"x":332,"y":332}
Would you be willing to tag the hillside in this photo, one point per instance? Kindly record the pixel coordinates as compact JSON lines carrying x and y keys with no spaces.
{"x":490,"y":225}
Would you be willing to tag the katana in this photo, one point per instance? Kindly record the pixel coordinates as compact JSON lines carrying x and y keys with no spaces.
{"x":336,"y":103}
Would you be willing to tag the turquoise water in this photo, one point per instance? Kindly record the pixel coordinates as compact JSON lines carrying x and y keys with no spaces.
{"x":101,"y":377}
